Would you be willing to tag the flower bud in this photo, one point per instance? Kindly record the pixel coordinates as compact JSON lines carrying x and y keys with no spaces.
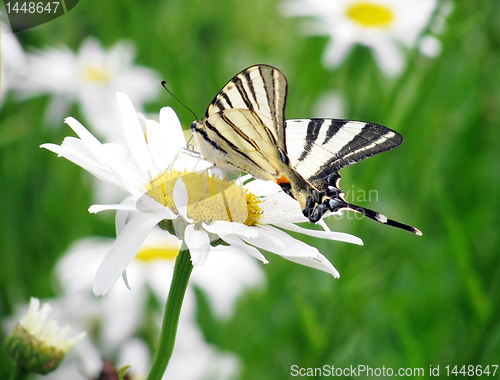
{"x":37,"y":343}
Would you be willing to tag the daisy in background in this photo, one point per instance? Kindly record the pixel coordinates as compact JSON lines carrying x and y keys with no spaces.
{"x":12,"y":59}
{"x":116,"y":319}
{"x":163,"y":188}
{"x":382,"y":25}
{"x":90,"y":78}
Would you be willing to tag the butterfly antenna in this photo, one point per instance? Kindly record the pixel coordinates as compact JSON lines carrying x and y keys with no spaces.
{"x":382,"y":218}
{"x":164,"y":84}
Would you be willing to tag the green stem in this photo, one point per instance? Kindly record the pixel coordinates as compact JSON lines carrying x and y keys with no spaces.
{"x":182,"y":271}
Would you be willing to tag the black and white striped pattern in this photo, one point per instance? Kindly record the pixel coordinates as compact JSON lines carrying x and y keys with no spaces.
{"x":245,"y":128}
{"x":260,"y":89}
{"x":319,"y":147}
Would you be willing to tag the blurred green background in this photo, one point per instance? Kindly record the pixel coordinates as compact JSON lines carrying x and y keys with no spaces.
{"x":402,"y":300}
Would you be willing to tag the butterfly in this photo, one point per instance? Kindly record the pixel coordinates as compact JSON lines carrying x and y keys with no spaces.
{"x":244,"y":127}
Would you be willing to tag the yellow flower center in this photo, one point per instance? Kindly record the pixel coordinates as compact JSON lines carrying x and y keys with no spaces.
{"x":157,"y":253}
{"x":209,"y":198}
{"x":370,"y":15}
{"x":96,"y":74}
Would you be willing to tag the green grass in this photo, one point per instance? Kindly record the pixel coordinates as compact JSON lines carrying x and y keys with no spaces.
{"x":402,"y":301}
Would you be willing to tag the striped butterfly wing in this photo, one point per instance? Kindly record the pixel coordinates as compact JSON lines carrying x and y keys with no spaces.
{"x":260,"y":89}
{"x":244,"y":125}
{"x":239,"y":139}
{"x":318,"y":148}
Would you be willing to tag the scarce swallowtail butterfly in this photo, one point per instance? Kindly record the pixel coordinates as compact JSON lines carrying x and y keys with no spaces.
{"x":245,"y":128}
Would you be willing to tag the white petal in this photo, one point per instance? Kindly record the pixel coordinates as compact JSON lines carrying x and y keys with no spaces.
{"x":147,"y":204}
{"x":91,"y":153}
{"x":77,"y":152}
{"x":340,"y":236}
{"x":94,"y":209}
{"x":156,"y":144}
{"x":134,"y":134}
{"x":280,"y":243}
{"x":270,"y":237}
{"x":88,"y":138}
{"x":319,"y":262}
{"x":198,"y":242}
{"x":237,"y":243}
{"x":181,"y":199}
{"x":100,"y":160}
{"x":260,"y":187}
{"x":172,"y":134}
{"x":121,"y":217}
{"x":123,"y":251}
{"x":125,"y":279}
{"x":221,"y":227}
{"x":278,"y":207}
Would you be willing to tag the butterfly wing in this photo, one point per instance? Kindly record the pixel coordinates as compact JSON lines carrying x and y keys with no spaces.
{"x":260,"y":89}
{"x":318,"y":148}
{"x":239,"y":139}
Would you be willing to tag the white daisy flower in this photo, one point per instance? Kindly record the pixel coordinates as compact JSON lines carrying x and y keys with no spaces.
{"x":13,"y":59}
{"x":116,"y":318}
{"x":198,"y":208}
{"x":382,"y":25}
{"x":37,"y":342}
{"x":223,"y":278}
{"x":90,"y":78}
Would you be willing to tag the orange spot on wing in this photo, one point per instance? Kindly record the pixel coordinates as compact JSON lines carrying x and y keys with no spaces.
{"x":282,"y":179}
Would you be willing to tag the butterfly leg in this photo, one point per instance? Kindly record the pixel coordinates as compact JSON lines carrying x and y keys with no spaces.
{"x":187,"y":159}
